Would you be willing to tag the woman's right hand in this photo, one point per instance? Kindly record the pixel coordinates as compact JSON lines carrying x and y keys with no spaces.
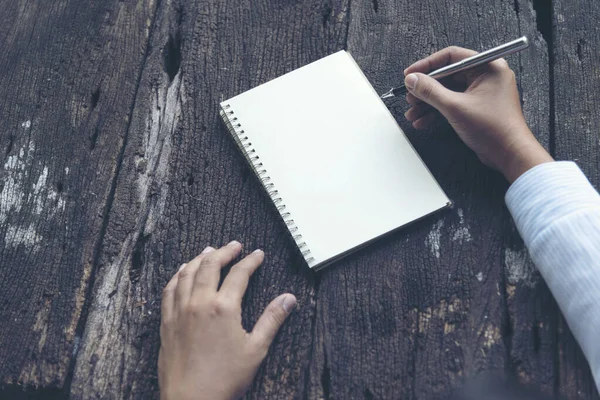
{"x":485,"y":112}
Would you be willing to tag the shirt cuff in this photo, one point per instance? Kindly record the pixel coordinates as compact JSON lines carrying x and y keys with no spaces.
{"x":546,"y":193}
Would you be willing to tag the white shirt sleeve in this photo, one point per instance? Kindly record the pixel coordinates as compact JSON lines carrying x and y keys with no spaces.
{"x":557,"y":212}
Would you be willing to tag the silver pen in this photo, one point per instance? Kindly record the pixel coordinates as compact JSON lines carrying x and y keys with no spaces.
{"x":468,"y":63}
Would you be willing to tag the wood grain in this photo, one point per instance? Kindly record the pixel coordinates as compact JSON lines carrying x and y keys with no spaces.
{"x":69,"y":74}
{"x":576,"y":78}
{"x":423,"y":311}
{"x":532,"y":322}
{"x":184,"y":185}
{"x":116,"y":169}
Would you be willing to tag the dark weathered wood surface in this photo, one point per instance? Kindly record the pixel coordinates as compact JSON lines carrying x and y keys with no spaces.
{"x":432,"y":300}
{"x":576,"y":76}
{"x":125,"y":95}
{"x":183,"y":185}
{"x":69,"y":71}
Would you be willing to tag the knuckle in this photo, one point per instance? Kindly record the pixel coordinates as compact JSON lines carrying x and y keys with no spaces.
{"x":186,"y":273}
{"x":241,"y":270}
{"x":220,"y":306}
{"x":166,"y":322}
{"x":168,"y":291}
{"x":191,"y":309}
{"x":210,"y":262}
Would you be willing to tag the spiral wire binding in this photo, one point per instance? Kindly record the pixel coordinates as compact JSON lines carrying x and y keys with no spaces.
{"x":243,"y":141}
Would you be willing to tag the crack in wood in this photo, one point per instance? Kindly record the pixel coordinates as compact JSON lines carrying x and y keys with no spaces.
{"x":94,"y":137}
{"x":543,"y":11}
{"x":580,"y":45}
{"x":95,"y":97}
{"x":507,"y":327}
{"x":348,"y":19}
{"x":327,"y":12}
{"x":326,"y":377}
{"x":19,"y":392}
{"x":544,"y":15}
{"x":172,"y":55}
{"x":138,"y":257}
{"x":11,"y":141}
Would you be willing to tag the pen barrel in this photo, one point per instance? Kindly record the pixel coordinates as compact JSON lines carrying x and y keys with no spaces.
{"x":482,"y":58}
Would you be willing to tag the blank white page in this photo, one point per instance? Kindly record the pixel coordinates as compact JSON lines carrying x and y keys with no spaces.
{"x":342,"y":166}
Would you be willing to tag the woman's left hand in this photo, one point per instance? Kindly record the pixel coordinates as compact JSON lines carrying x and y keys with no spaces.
{"x":205,"y":352}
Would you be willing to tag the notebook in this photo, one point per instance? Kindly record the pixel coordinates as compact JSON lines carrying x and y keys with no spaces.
{"x":331,"y":157}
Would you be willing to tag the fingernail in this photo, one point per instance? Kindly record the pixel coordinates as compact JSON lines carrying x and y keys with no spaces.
{"x":288,"y":303}
{"x":411,"y":81}
{"x":233,"y":243}
{"x":182,"y":266}
{"x":257,"y":251}
{"x":208,"y":249}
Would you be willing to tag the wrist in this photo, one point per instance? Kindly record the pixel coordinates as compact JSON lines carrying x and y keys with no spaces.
{"x":522,"y":156}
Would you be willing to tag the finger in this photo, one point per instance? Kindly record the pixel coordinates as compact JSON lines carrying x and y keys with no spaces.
{"x":209,"y":272}
{"x":425,"y":121}
{"x":271,"y":320}
{"x":499,"y":65}
{"x":412,"y":99}
{"x":440,"y":59}
{"x":432,"y":92}
{"x":236,"y":283}
{"x":167,"y":306}
{"x":185,"y":277}
{"x":416,"y":112}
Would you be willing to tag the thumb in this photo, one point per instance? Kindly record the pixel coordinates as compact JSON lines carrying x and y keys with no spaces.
{"x":430,"y":91}
{"x":272,"y":318}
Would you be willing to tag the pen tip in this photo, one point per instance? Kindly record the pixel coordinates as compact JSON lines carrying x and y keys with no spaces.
{"x":387,"y":95}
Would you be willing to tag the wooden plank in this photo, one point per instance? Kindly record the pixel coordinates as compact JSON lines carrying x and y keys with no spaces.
{"x":420,"y":312}
{"x":576,"y":84}
{"x":531,"y":307}
{"x":184,"y":185}
{"x":577,"y":121}
{"x":69,"y":74}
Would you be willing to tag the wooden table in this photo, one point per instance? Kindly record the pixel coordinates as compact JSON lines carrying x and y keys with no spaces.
{"x":115,"y":169}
